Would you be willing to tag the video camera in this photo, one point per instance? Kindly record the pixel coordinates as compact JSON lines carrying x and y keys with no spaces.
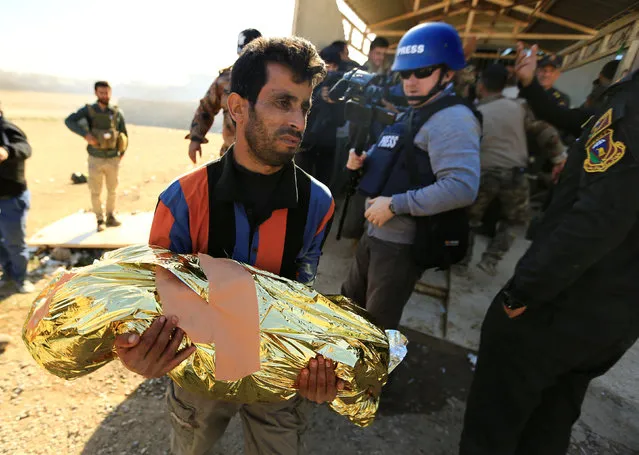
{"x":363,"y":93}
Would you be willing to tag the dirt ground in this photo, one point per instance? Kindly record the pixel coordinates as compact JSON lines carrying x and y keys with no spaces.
{"x":114,"y":411}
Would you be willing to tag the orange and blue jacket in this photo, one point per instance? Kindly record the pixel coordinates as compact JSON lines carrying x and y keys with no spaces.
{"x":200,"y":213}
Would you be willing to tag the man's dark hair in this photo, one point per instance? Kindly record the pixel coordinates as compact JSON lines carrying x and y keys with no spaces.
{"x":330,"y":54}
{"x":299,"y":55}
{"x":379,"y":42}
{"x":494,"y":78}
{"x":339,"y":44}
{"x":246,"y":36}
{"x":104,"y":84}
{"x":610,"y":69}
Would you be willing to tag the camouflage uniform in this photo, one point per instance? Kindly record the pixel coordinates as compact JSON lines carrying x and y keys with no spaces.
{"x":464,"y":81}
{"x":511,"y":188}
{"x":214,"y":100}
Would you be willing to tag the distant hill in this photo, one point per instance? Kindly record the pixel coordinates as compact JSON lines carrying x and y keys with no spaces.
{"x":192,"y":91}
{"x":168,"y":114}
{"x":43,"y":96}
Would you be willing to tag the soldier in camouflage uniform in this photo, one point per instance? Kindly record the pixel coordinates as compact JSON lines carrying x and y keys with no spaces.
{"x":213,"y":101}
{"x":465,"y":81}
{"x":504,"y":158}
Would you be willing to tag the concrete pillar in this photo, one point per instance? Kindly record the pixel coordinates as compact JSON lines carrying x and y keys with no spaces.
{"x":319,"y":21}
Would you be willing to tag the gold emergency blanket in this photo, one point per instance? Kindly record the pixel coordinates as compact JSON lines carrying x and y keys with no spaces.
{"x":72,"y":325}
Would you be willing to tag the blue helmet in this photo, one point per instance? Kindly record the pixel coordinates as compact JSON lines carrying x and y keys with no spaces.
{"x":428,"y":44}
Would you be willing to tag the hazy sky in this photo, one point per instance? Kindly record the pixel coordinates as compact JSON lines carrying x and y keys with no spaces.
{"x":158,"y":42}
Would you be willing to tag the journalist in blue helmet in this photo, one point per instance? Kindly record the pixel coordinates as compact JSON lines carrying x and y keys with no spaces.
{"x":419,"y":176}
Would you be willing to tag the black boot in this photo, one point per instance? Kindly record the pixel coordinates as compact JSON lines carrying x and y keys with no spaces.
{"x":112,"y":221}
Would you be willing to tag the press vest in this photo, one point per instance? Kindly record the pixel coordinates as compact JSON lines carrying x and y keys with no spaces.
{"x":386,"y":172}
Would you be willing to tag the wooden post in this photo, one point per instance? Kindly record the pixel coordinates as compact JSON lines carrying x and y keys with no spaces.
{"x":470,"y":19}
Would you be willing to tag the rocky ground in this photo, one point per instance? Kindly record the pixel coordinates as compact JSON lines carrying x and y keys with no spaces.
{"x":113,"y":411}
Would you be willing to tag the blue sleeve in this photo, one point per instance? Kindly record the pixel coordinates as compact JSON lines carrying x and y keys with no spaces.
{"x":171,"y":228}
{"x":317,"y":227}
{"x":452,"y":138}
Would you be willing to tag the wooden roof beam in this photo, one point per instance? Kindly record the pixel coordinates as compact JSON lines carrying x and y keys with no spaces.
{"x":446,"y":6}
{"x":439,"y":17}
{"x":547,"y":17}
{"x":484,"y":28}
{"x":524,"y":36}
{"x":491,"y":55}
{"x":412,"y":14}
{"x":499,"y":15}
{"x":470,"y":19}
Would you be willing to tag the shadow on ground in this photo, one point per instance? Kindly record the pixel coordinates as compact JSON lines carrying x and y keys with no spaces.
{"x":431,"y":374}
{"x":421,"y":413}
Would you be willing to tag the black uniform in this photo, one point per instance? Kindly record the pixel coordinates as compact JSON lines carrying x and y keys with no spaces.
{"x":559,"y":97}
{"x":563,"y":100}
{"x":579,"y":283}
{"x":317,"y":154}
{"x":13,"y":139}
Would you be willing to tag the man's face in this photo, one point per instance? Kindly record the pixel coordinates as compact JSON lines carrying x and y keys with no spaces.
{"x":276,"y":123}
{"x":377,"y":55}
{"x":344,"y":55}
{"x":413,"y":86}
{"x":103,"y":94}
{"x":547,"y":76}
{"x":481,"y":90}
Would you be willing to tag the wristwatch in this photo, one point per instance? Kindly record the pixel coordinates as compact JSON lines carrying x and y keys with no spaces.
{"x":391,"y":208}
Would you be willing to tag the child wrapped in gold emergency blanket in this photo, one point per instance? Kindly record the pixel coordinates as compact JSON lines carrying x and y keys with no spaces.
{"x":253,"y":331}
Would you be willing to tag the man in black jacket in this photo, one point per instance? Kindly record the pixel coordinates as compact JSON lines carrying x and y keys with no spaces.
{"x":570,"y":310}
{"x":14,"y":205}
{"x":318,"y":150}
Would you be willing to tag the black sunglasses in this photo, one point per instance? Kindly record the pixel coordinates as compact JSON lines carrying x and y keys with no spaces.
{"x":420,"y":73}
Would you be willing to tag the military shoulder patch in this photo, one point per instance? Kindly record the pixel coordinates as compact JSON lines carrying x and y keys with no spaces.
{"x":604,"y":122}
{"x":602,"y":151}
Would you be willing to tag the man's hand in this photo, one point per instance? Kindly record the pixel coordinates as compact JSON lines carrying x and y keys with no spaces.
{"x":512,"y":314}
{"x":4,"y":154}
{"x":355,"y":162}
{"x":194,"y":148}
{"x":389,"y":106}
{"x":318,"y":382}
{"x":324,"y":94}
{"x":91,"y":139}
{"x":155,"y":353}
{"x":556,"y":170}
{"x":379,"y":211}
{"x":526,"y":66}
